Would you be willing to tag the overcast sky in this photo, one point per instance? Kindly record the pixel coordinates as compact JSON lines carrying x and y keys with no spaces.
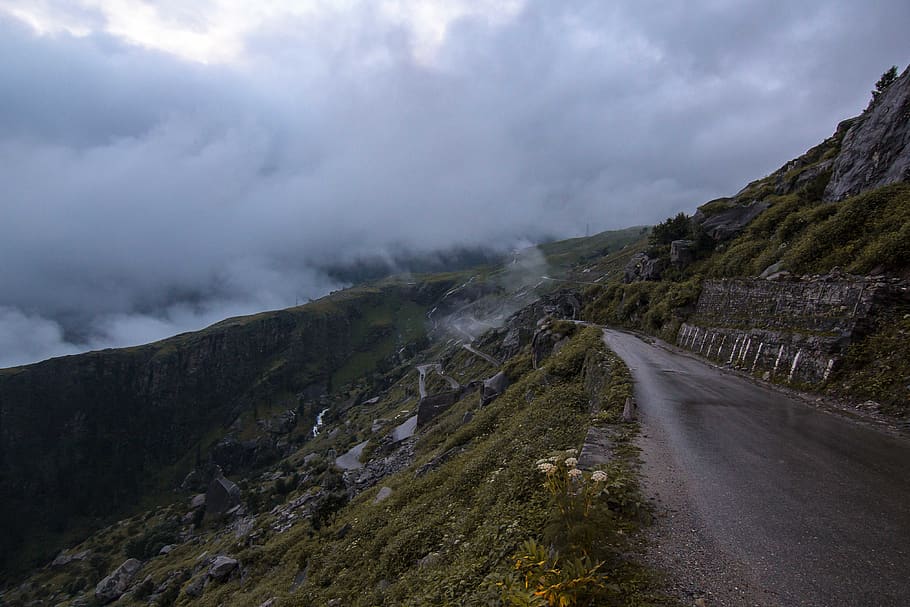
{"x":167,"y":164}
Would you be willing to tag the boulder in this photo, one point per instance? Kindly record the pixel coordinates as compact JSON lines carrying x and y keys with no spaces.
{"x":198,"y":501}
{"x":113,"y":586}
{"x":431,"y":406}
{"x":682,"y":252}
{"x":65,"y":559}
{"x":493,"y":387}
{"x":774,"y":268}
{"x":430,"y":560}
{"x":876,"y":150}
{"x":222,"y":568}
{"x":196,"y":586}
{"x":384,"y":493}
{"x":221,"y":496}
{"x":643,"y":267}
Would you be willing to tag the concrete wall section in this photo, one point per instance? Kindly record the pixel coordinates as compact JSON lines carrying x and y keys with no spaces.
{"x":793,"y":332}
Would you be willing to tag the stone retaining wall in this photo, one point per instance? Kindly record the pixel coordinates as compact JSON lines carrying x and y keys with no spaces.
{"x":794,"y":331}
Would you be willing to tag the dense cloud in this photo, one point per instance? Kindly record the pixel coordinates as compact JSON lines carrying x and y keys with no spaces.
{"x":144,"y":194}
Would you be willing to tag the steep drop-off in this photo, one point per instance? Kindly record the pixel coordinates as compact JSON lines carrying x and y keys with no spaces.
{"x":88,"y":436}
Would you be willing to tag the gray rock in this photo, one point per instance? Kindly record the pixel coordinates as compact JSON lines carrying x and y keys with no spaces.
{"x":876,"y":150}
{"x":384,"y":493}
{"x":198,"y":501}
{"x":774,"y":268}
{"x":430,"y":560}
{"x":628,"y":411}
{"x":431,"y":406}
{"x":113,"y":586}
{"x":196,"y":586}
{"x":221,"y":496}
{"x":222,"y":568}
{"x":65,"y":559}
{"x":597,"y":448}
{"x":728,"y":223}
{"x":682,"y":252}
{"x":545,"y":342}
{"x":642,"y":267}
{"x":493,"y":387}
{"x":167,"y":549}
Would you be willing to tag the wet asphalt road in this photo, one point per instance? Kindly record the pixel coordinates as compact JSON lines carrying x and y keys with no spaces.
{"x":813,"y":508}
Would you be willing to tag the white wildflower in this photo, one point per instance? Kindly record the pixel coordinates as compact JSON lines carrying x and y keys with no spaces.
{"x":575,"y":473}
{"x":571,"y":462}
{"x":599,"y":476}
{"x":546,"y":467}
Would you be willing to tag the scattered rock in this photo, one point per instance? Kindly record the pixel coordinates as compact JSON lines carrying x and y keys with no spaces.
{"x":493,"y":387}
{"x":113,"y":586}
{"x":430,"y":560}
{"x":221,"y":496}
{"x":269,"y":603}
{"x":222,"y":568}
{"x":65,"y":559}
{"x":628,"y":411}
{"x":167,"y":549}
{"x":383,"y":494}
{"x":300,"y":578}
{"x":467,"y":417}
{"x":774,"y":268}
{"x":196,"y":586}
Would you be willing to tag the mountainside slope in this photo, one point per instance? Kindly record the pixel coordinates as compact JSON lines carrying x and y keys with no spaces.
{"x":86,"y":436}
{"x":782,"y":228}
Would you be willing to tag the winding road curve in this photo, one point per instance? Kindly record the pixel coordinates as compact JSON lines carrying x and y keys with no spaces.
{"x":770,"y":500}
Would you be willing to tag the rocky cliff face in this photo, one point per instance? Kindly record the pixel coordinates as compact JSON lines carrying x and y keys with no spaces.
{"x":87,"y":436}
{"x":876,"y":149}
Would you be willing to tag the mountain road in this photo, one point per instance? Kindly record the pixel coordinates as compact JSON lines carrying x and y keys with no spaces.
{"x":765,"y":499}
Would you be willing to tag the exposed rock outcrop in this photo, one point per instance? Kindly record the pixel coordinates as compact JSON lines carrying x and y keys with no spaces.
{"x":222,"y":495}
{"x":682,"y":252}
{"x":547,"y":340}
{"x":643,"y":267}
{"x":493,"y":387}
{"x":730,"y":222}
{"x":876,"y":150}
{"x":113,"y":586}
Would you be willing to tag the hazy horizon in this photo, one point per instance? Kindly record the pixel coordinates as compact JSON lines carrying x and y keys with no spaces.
{"x":166,"y":166}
